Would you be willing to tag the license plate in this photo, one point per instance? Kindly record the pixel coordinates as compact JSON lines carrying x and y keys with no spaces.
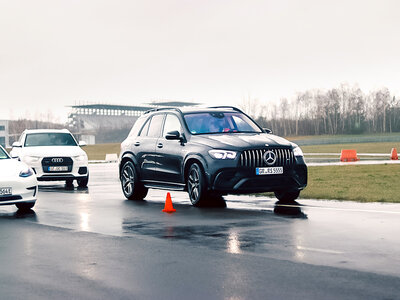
{"x":58,"y":168}
{"x":5,"y":191}
{"x":269,"y":171}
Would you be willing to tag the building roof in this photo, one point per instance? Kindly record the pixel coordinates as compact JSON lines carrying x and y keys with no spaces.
{"x":110,"y":106}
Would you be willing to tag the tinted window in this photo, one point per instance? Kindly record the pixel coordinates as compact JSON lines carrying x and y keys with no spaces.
{"x":49,"y":139}
{"x":2,"y":128}
{"x":3,"y":154}
{"x":172,"y":123}
{"x":136,"y":127}
{"x":216,"y":122}
{"x":155,"y":126}
{"x":145,"y":128}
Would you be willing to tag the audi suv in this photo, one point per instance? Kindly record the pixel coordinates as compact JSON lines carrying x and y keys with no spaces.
{"x":208,"y":152}
{"x":54,"y":155}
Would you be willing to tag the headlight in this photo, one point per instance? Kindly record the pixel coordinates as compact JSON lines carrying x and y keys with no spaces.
{"x":222,"y":154}
{"x":297,"y":151}
{"x":80,"y":157}
{"x":26,"y":172}
{"x":31,"y":159}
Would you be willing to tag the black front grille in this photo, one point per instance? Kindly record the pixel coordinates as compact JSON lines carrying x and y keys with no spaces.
{"x":56,"y":162}
{"x":255,"y":158}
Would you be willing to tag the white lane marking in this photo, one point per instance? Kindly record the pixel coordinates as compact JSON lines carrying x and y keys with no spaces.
{"x":340,"y":209}
{"x":319,"y":250}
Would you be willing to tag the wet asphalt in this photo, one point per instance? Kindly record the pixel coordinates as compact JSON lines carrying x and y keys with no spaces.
{"x":93,"y":244}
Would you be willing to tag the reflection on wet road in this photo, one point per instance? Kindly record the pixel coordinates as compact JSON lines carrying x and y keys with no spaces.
{"x":350,"y":235}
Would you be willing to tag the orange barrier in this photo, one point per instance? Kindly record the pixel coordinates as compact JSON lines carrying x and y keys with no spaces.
{"x":349,"y":155}
{"x":393,"y":154}
{"x":168,"y":205}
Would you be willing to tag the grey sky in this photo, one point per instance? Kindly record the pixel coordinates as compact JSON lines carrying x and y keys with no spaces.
{"x":55,"y":53}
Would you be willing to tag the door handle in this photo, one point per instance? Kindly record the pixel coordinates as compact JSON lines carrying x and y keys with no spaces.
{"x":160,"y":145}
{"x":137,"y":143}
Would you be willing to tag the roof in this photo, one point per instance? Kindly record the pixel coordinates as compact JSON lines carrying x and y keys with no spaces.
{"x":46,"y":130}
{"x":198,"y":109}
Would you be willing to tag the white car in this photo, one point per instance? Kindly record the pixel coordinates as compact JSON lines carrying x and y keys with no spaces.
{"x":54,"y":155}
{"x":18,"y":184}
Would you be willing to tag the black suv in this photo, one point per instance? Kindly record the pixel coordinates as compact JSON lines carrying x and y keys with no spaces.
{"x":208,"y":152}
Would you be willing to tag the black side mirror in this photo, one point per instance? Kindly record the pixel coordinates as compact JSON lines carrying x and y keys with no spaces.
{"x":267,"y":130}
{"x":173,"y":135}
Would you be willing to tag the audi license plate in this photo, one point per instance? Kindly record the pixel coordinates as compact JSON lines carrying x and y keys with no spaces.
{"x":269,"y":171}
{"x":58,"y":168}
{"x":5,"y":191}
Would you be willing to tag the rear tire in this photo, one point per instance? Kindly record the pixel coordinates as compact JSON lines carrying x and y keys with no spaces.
{"x":132,"y":188}
{"x":83,"y":182}
{"x":287,"y":197}
{"x":24,"y":206}
{"x":197,"y":186}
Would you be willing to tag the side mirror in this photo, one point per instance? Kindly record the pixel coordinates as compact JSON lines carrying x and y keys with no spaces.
{"x":173,"y":135}
{"x":82,"y":144}
{"x":17,"y":145}
{"x":267,"y":130}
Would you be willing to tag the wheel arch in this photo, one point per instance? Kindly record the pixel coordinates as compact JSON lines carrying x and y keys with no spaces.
{"x":191,"y":160}
{"x":128,"y":156}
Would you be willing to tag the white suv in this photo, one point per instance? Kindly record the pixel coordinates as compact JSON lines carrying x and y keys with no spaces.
{"x":54,"y":155}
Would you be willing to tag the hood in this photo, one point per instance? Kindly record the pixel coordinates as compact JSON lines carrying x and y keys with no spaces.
{"x":241,"y":140}
{"x":46,"y":151}
{"x":11,"y":168}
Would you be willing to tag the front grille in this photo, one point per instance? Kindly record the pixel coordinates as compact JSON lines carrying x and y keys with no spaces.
{"x":8,"y":198}
{"x":255,"y":158}
{"x":56,"y":162}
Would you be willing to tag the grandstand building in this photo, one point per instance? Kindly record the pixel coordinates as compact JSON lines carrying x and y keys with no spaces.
{"x":99,"y":123}
{"x":4,"y":135}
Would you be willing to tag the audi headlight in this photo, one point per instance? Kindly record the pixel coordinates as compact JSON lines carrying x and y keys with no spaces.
{"x":80,"y":157}
{"x":26,"y":172}
{"x":222,"y":154}
{"x":297,"y":151}
{"x":31,"y":159}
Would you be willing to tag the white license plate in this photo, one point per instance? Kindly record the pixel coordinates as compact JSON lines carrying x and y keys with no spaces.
{"x":58,"y":168}
{"x":269,"y":171}
{"x":5,"y":191}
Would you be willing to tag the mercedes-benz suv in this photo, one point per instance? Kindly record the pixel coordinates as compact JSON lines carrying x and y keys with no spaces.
{"x":54,"y":155}
{"x":208,"y":152}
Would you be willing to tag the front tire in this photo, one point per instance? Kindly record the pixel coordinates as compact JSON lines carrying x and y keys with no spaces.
{"x":287,"y":197}
{"x":131,"y":186}
{"x":196,"y":185}
{"x":83,"y":182}
{"x":24,"y":206}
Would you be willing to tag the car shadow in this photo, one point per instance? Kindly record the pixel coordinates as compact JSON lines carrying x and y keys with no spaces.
{"x":290,"y":210}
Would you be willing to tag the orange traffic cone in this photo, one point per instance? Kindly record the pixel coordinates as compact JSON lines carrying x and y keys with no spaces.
{"x":394,"y":155}
{"x":168,"y":205}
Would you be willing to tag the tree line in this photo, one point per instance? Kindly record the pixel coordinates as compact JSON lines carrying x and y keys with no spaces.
{"x":342,"y":110}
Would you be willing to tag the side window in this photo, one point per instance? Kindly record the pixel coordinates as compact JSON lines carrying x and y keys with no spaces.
{"x":155,"y":125}
{"x":171,"y":123}
{"x":136,"y":127}
{"x":145,"y":128}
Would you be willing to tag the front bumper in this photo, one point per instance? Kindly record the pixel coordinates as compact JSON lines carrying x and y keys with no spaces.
{"x":77,"y":170}
{"x":245,"y":181}
{"x":23,"y":190}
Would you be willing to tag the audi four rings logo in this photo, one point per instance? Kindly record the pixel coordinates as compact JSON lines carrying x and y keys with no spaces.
{"x":269,"y":157}
{"x":57,"y":160}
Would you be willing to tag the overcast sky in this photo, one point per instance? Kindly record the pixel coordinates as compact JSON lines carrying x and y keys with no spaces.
{"x":56,"y":53}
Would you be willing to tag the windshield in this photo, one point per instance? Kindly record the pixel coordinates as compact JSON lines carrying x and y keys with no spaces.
{"x":3,"y":153}
{"x":49,"y":139}
{"x":217,"y":122}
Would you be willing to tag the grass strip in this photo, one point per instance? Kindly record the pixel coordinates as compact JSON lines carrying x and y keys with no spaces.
{"x":363,"y":183}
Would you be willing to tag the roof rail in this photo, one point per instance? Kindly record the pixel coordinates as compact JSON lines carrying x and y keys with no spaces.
{"x":162,"y":108}
{"x":227,"y":106}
